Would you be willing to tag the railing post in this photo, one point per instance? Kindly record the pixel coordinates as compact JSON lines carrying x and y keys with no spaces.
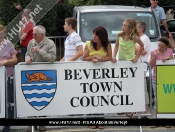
{"x":150,"y":85}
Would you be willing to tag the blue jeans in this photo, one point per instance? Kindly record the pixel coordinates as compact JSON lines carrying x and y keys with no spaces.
{"x":24,"y":50}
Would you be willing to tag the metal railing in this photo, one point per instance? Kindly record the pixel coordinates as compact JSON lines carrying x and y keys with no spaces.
{"x":59,"y":41}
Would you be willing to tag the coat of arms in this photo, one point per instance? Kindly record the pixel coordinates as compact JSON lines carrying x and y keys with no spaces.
{"x":39,"y":87}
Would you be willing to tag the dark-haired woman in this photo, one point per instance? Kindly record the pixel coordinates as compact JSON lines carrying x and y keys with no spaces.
{"x":98,"y":50}
{"x":163,"y":52}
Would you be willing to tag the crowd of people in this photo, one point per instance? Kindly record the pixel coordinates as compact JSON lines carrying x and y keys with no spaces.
{"x":131,"y":44}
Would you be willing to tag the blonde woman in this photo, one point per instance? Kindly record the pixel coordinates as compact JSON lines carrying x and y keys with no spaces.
{"x":125,"y":44}
{"x":126,"y":41}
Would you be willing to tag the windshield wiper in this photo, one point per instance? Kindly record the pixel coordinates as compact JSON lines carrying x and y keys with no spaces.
{"x":152,"y":37}
{"x":112,"y":41}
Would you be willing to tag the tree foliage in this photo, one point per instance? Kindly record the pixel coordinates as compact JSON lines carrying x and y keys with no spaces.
{"x":54,"y":19}
{"x":117,"y":2}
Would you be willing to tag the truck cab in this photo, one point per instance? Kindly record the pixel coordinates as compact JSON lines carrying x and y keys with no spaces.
{"x":111,"y":17}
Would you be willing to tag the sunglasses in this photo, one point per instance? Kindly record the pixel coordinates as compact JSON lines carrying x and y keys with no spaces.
{"x":154,"y":0}
{"x":35,"y":34}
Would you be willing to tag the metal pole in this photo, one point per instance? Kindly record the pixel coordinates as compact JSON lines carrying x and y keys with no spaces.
{"x":33,"y":129}
{"x":6,"y":100}
{"x":140,"y":128}
{"x":150,"y":85}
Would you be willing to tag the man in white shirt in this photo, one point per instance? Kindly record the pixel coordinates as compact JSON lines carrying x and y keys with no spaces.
{"x":141,"y":27}
{"x":73,"y":45}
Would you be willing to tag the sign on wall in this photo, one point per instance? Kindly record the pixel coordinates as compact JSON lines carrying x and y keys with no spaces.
{"x":79,"y":88}
{"x":2,"y":91}
{"x":166,"y":89}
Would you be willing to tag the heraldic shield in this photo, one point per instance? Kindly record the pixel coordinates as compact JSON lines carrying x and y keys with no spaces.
{"x":39,"y":87}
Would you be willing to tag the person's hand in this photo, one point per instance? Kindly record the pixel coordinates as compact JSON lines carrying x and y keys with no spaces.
{"x":165,"y":58}
{"x":156,"y":52}
{"x":20,"y":23}
{"x":170,"y":35}
{"x":94,"y":60}
{"x":113,"y":60}
{"x":28,"y":61}
{"x":98,"y":57}
{"x":135,"y":59}
{"x":3,"y":63}
{"x":143,"y":53}
{"x":35,"y":49}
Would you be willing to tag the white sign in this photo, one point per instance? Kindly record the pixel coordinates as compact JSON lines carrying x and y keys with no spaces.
{"x":2,"y":91}
{"x":65,"y":88}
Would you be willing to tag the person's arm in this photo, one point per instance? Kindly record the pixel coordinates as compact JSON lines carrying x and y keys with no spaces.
{"x":9,"y":62}
{"x":23,"y":33}
{"x":137,"y":49}
{"x":137,"y":39}
{"x":93,"y":58}
{"x":62,"y":59}
{"x":163,"y":18}
{"x":50,"y":54}
{"x":165,"y":25}
{"x":152,"y":60}
{"x":23,"y":36}
{"x":86,"y":56}
{"x":147,"y":46}
{"x":171,"y":41}
{"x":21,"y":29}
{"x":109,"y":54}
{"x":28,"y":57}
{"x":78,"y":54}
{"x":170,"y":57}
{"x":115,"y":49}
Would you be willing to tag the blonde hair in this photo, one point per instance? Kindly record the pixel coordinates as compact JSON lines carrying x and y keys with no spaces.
{"x":132,"y":29}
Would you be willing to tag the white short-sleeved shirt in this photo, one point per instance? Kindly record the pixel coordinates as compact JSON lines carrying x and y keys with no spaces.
{"x":70,"y":46}
{"x":147,"y":48}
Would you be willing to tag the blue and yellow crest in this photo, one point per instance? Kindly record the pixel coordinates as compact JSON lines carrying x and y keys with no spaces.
{"x":39,"y":87}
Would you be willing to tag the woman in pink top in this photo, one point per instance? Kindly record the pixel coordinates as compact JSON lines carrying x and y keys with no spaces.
{"x":7,"y":53}
{"x":7,"y":59}
{"x":163,"y":52}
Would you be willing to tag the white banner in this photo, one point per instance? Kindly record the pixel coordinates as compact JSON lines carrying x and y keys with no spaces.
{"x":2,"y":91}
{"x":65,"y":88}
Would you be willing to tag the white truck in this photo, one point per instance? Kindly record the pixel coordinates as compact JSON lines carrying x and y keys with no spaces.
{"x":111,"y":17}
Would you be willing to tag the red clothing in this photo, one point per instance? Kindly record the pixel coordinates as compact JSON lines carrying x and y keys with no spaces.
{"x":28,"y":30}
